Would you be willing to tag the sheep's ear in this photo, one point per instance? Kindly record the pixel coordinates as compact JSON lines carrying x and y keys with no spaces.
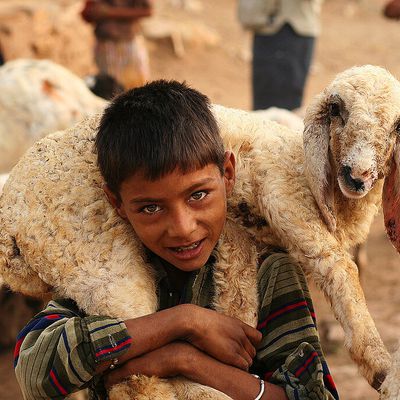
{"x":318,"y":158}
{"x":391,"y":200}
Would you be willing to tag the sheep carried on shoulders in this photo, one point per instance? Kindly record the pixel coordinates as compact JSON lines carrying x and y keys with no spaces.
{"x":59,"y":234}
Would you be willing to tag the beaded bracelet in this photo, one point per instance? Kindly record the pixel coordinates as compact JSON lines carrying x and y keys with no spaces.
{"x":262,"y":387}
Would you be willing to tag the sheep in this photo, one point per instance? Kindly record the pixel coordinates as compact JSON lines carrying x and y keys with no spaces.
{"x":292,"y":120}
{"x":315,"y":196}
{"x":38,"y":97}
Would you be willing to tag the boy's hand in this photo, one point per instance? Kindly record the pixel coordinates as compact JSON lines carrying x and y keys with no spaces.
{"x":167,"y":361}
{"x":227,"y":339}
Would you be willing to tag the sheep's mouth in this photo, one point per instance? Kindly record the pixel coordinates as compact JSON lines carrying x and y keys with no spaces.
{"x":354,"y":188}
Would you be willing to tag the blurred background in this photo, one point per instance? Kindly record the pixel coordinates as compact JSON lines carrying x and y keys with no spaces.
{"x":203,"y":43}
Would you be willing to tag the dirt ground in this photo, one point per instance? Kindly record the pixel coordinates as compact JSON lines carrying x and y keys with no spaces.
{"x":353,"y":33}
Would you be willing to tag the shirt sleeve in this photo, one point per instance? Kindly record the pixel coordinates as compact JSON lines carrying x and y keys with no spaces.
{"x":290,"y":353}
{"x":305,"y":375}
{"x":57,"y":352}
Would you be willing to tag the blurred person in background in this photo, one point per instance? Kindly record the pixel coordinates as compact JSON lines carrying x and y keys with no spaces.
{"x":284,"y":33}
{"x":120,"y":50}
{"x":392,"y":9}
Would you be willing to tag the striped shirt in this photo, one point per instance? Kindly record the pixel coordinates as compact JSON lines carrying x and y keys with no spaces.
{"x":290,"y":353}
{"x":57,"y":352}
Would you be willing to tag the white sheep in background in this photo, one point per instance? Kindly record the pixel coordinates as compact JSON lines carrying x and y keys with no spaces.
{"x":285,"y":117}
{"x":38,"y":97}
{"x":316,"y":201}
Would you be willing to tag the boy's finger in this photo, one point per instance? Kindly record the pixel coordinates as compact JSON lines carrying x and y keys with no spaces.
{"x":243,"y":361}
{"x":249,"y":348}
{"x":248,"y":358}
{"x":238,"y":357}
{"x":253,"y":334}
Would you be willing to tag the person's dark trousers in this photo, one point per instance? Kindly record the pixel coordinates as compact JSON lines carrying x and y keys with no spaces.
{"x":280,"y":67}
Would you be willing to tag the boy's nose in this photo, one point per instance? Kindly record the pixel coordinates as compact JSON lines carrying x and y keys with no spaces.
{"x":182,"y":224}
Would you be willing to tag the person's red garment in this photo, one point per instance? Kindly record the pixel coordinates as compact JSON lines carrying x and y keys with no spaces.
{"x":392,"y":9}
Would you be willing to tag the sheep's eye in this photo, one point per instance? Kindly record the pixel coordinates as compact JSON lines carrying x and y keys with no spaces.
{"x":334,"y":110}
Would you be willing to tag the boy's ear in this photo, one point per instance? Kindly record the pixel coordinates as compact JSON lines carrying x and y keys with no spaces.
{"x":114,"y":201}
{"x":229,"y":171}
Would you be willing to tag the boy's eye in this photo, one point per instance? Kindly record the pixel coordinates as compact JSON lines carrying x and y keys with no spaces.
{"x":198,"y":195}
{"x":151,"y":209}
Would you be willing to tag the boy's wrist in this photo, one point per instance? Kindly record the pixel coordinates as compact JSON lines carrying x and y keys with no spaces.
{"x":186,"y":321}
{"x":188,"y":360}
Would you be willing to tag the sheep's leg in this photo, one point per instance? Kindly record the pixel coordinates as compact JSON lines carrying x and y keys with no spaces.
{"x":322,"y":257}
{"x":338,"y":279}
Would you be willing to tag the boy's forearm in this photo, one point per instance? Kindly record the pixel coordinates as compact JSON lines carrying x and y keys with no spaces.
{"x":234,"y":382}
{"x":153,"y":331}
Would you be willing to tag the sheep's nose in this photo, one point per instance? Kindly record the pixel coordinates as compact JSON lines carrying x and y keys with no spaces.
{"x":355,"y":183}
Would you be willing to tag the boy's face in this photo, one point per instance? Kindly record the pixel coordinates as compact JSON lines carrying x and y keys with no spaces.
{"x":179,"y":217}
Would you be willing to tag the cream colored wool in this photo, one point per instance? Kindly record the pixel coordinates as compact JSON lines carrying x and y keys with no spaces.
{"x":3,"y":179}
{"x":391,"y":386}
{"x":285,"y":195}
{"x":38,"y":97}
{"x":284,"y":117}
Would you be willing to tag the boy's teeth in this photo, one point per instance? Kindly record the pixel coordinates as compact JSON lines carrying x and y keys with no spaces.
{"x":192,"y":246}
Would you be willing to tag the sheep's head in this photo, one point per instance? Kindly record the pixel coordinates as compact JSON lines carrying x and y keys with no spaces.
{"x":350,"y":135}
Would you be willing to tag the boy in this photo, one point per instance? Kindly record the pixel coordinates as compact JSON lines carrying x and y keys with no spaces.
{"x":167,"y":173}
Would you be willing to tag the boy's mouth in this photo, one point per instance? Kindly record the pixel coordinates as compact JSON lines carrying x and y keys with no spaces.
{"x":189,"y":252}
{"x":186,"y":248}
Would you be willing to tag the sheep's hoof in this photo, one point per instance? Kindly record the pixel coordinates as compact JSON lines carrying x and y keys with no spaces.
{"x":376,"y":372}
{"x":378,"y":379}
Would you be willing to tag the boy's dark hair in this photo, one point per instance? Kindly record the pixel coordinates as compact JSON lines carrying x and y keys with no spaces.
{"x":157,"y":128}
